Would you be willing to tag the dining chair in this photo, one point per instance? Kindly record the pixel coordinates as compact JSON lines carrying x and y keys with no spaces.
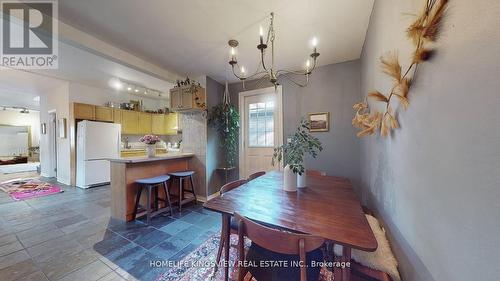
{"x":269,"y":244}
{"x":233,"y":226}
{"x":380,"y":265}
{"x":316,"y":173}
{"x":256,"y":175}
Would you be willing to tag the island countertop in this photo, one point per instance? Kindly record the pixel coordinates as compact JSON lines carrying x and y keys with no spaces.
{"x":158,"y":157}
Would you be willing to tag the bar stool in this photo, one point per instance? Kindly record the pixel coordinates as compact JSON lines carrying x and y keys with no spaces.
{"x":182,"y":176}
{"x":152,"y":184}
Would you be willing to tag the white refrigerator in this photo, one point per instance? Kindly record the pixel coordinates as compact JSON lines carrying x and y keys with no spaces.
{"x":96,"y":142}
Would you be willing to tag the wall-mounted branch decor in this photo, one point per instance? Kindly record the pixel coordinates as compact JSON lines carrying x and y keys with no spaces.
{"x":422,"y":32}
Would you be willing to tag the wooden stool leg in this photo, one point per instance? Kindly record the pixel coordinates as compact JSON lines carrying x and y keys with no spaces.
{"x":167,"y":195}
{"x":137,"y":199}
{"x":180,"y":194}
{"x":148,"y":205}
{"x":156,"y":197}
{"x":192,"y":188}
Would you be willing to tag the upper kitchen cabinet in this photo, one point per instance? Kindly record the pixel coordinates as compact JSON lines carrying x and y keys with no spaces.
{"x":84,"y":111}
{"x":145,"y":123}
{"x":117,"y":116}
{"x":189,"y":97}
{"x":104,"y":114}
{"x":130,"y":122}
{"x":158,"y":124}
{"x":171,"y":124}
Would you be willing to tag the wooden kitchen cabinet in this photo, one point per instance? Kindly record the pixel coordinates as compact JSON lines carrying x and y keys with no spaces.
{"x":104,"y":114}
{"x":145,"y":123}
{"x":171,"y":124}
{"x":84,"y":111}
{"x":117,"y":116}
{"x":158,"y":124}
{"x":130,"y":122}
{"x":175,"y":98}
{"x":187,"y":98}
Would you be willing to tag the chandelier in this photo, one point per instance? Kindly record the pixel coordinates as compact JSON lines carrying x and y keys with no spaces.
{"x":271,"y":72}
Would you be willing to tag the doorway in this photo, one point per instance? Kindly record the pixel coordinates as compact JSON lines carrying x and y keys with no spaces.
{"x":52,"y":137}
{"x":261,"y":130}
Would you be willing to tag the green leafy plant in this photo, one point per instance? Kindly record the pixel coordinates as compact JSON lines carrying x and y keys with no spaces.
{"x":225,"y":120}
{"x":301,"y":143}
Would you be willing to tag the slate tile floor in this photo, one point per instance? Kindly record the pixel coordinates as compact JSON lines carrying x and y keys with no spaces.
{"x":70,"y":236}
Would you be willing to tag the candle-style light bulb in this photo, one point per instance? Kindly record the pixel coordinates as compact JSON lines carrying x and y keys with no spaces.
{"x":242,"y":70}
{"x":308,"y":65}
{"x":314,"y":43}
{"x":261,"y":34}
{"x":233,"y":53}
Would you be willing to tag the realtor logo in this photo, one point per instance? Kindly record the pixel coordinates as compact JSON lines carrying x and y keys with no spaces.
{"x":29,"y":35}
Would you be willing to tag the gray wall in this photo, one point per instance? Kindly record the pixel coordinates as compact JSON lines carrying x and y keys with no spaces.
{"x":214,"y":93}
{"x":436,"y":181}
{"x":333,"y":88}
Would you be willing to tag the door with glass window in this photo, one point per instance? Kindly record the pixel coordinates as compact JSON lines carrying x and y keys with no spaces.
{"x":260,"y":125}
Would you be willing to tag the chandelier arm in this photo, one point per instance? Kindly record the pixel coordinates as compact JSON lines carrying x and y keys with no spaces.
{"x":314,"y":65}
{"x":285,"y":72}
{"x":295,"y":82}
{"x":262,"y":59}
{"x":234,"y":73}
{"x":255,"y":74}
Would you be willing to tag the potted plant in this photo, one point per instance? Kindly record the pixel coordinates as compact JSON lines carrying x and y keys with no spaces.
{"x":224,"y":118}
{"x":150,"y":141}
{"x":292,"y":153}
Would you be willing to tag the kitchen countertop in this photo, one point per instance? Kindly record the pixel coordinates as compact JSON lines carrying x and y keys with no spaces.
{"x":158,"y":157}
{"x":140,"y":149}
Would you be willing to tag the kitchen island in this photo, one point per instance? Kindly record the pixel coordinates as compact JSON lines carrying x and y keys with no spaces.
{"x":126,"y":170}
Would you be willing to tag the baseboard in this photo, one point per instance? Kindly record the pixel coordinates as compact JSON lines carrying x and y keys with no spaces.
{"x":205,"y":199}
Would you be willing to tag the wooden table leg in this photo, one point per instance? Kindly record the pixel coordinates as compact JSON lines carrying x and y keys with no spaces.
{"x":226,"y":220}
{"x":346,"y":257}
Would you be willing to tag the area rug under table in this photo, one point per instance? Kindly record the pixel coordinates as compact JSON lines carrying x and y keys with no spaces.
{"x":199,"y":264}
{"x":23,"y":189}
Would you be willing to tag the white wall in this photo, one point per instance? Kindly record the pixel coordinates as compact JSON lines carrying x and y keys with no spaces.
{"x":100,"y":96}
{"x":32,"y":119}
{"x":436,"y":181}
{"x":55,"y":100}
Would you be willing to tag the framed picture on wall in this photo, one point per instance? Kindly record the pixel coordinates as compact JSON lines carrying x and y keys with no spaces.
{"x":62,"y":127}
{"x":320,"y":121}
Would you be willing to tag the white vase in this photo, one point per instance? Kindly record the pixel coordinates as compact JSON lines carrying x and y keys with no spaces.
{"x":301,"y":180}
{"x":151,"y":150}
{"x":289,"y":180}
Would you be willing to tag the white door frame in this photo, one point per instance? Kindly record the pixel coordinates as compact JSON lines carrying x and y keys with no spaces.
{"x":279,"y":101}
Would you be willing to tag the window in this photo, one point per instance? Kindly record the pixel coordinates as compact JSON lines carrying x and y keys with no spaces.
{"x":261,"y":124}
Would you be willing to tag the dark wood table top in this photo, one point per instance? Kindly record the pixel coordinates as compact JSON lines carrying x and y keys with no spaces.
{"x":328,"y":208}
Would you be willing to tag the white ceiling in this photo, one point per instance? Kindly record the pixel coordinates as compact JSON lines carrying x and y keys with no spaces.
{"x":18,"y":88}
{"x":82,"y":66}
{"x":190,"y":36}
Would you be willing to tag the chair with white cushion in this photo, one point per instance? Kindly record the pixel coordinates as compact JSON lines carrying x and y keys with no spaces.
{"x":379,"y":265}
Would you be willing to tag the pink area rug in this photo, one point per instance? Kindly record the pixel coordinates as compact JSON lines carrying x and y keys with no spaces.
{"x":199,"y":264}
{"x":23,"y":189}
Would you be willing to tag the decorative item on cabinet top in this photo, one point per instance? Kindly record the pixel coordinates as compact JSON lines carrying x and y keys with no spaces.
{"x":133,"y":122}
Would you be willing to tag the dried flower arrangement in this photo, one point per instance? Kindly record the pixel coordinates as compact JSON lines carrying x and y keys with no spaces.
{"x":422,"y":32}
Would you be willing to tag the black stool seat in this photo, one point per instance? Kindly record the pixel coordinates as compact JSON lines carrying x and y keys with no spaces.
{"x":183,"y":175}
{"x":155,"y":180}
{"x":152,"y":184}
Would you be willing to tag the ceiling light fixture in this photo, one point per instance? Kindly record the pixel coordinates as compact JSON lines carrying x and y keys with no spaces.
{"x":267,"y":70}
{"x":115,"y":83}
